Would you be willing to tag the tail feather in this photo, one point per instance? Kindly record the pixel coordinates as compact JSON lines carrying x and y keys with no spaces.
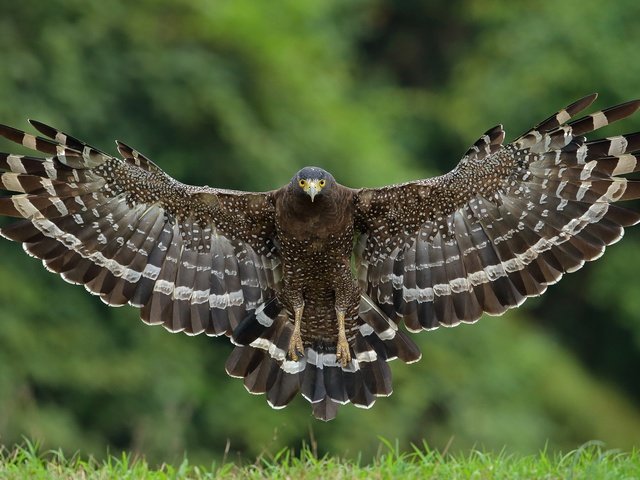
{"x":313,"y":388}
{"x":260,"y":358}
{"x":263,"y":377}
{"x":284,"y":389}
{"x":378,"y":375}
{"x":358,"y":390}
{"x":242,"y":361}
{"x":326,"y":409}
{"x":335,"y":385}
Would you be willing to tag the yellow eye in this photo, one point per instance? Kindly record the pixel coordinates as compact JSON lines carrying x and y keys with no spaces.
{"x":321,"y":183}
{"x":302,"y":183}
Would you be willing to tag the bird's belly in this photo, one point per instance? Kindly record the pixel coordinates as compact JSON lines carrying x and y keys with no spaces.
{"x":316,"y":242}
{"x":316,"y":261}
{"x":317,"y":273}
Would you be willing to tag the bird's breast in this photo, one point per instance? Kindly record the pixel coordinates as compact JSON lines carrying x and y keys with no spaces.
{"x":312,"y":220}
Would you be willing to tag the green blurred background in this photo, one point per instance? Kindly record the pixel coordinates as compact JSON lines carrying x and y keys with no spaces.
{"x":241,"y":94}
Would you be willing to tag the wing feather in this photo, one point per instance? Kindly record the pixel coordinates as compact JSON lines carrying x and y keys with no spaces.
{"x":507,"y":222}
{"x":194,"y":259}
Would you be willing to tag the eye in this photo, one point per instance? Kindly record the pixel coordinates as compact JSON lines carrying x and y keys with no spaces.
{"x":302,"y":183}
{"x":322,"y":183}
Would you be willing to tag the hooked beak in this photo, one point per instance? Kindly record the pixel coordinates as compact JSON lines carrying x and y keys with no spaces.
{"x":312,"y":188}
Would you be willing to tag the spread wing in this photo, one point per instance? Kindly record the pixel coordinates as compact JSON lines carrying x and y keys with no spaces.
{"x":194,"y":259}
{"x":505,"y":223}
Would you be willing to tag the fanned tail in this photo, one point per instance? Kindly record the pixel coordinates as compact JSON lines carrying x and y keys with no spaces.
{"x":260,"y":358}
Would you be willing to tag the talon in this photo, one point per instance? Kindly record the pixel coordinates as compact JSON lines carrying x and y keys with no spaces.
{"x":296,"y":347}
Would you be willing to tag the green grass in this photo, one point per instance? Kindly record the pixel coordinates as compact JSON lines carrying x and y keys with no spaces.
{"x":591,"y":461}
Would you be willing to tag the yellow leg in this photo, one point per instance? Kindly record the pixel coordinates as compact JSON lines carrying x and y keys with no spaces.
{"x":343,"y":355}
{"x":296,"y":348}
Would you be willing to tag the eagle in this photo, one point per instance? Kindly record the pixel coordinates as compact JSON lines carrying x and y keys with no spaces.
{"x":313,"y":281}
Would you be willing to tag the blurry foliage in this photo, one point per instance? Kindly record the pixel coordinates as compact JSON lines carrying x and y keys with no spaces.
{"x":241,"y":94}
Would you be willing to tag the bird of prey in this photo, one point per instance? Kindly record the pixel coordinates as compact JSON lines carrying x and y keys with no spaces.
{"x":312,"y":281}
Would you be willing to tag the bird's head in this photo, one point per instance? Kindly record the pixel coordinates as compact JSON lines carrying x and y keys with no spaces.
{"x":312,"y":181}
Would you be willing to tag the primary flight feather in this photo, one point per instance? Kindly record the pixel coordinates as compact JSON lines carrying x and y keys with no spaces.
{"x":273,"y":270}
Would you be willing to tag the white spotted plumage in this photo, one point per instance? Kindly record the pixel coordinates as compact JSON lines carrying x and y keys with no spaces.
{"x":504,"y":224}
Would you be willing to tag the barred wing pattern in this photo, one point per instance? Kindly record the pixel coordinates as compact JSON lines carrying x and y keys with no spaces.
{"x":507,"y":222}
{"x":193,"y":259}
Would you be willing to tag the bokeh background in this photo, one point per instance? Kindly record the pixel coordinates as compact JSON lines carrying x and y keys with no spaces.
{"x":241,"y":94}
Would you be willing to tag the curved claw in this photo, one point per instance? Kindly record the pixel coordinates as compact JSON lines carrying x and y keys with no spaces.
{"x":296,"y":348}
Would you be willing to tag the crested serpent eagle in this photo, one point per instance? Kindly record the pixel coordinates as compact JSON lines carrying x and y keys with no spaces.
{"x":312,"y":281}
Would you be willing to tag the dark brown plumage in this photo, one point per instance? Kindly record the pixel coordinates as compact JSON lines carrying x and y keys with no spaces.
{"x":273,"y":270}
